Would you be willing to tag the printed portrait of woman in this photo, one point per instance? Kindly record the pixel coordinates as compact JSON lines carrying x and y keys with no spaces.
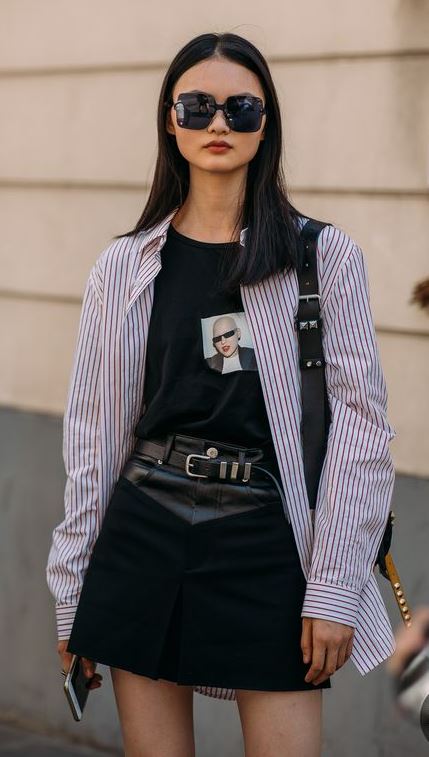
{"x":223,"y":341}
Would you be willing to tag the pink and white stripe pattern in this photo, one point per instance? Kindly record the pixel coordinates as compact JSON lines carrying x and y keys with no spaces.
{"x":105,"y":400}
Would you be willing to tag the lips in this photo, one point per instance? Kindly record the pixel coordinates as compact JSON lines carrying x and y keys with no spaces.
{"x":218,"y":144}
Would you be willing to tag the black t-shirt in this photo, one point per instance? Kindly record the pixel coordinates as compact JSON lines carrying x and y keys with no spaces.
{"x":201,"y":376}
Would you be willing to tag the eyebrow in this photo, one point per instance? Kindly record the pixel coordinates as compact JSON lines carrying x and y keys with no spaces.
{"x":203,"y":92}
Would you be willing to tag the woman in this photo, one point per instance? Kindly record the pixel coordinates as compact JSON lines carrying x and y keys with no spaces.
{"x":185,"y":486}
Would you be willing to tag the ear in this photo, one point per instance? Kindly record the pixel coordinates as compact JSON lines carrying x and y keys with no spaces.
{"x":169,"y":123}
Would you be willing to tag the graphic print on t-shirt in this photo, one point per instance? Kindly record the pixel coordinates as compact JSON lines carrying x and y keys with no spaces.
{"x":227,"y":343}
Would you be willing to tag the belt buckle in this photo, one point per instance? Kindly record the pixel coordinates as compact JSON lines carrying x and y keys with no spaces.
{"x":187,"y":463}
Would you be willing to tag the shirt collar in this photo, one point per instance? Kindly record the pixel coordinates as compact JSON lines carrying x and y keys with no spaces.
{"x":159,"y":231}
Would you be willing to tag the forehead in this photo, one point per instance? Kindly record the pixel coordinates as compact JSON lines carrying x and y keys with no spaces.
{"x":219,"y":77}
{"x":222,"y":323}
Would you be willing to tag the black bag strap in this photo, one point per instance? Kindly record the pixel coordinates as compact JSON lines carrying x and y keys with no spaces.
{"x":316,"y":416}
{"x":315,"y":405}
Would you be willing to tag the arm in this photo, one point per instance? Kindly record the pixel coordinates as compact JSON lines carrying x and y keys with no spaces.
{"x":358,"y":474}
{"x":73,"y":538}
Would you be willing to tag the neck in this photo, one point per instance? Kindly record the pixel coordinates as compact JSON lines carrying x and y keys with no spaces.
{"x":211,"y":207}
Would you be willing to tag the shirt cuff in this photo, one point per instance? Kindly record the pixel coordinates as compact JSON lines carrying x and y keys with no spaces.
{"x":65,"y":617}
{"x":331,"y":602}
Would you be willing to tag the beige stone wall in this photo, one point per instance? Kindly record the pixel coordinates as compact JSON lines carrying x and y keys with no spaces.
{"x":78,"y":89}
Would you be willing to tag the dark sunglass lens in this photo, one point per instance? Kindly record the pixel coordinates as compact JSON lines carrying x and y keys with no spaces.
{"x":197,"y":110}
{"x":245,"y":113}
{"x":226,"y":335}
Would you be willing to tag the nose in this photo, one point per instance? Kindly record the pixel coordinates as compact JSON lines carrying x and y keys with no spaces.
{"x":219,"y":123}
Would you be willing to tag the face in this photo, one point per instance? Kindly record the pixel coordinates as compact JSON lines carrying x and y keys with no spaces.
{"x":220,"y":78}
{"x":226,"y":345}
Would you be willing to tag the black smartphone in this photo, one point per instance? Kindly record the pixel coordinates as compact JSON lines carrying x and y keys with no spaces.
{"x":76,"y":687}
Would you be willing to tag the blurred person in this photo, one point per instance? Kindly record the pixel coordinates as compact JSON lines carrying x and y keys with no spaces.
{"x":409,"y":641}
{"x":188,"y":559}
{"x":409,"y":668}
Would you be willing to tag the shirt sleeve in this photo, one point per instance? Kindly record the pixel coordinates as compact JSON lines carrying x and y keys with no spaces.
{"x":357,"y":476}
{"x":73,"y":538}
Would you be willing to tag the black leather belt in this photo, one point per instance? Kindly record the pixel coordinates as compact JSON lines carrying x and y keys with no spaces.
{"x":202,"y":459}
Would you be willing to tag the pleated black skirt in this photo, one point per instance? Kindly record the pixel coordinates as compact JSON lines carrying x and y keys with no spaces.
{"x":195,"y":581}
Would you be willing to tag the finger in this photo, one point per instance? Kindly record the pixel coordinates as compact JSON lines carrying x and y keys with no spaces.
{"x":349,"y":647}
{"x":342,"y":655}
{"x":317,"y":661}
{"x":306,"y":639}
{"x":95,"y":680}
{"x":330,"y":665}
{"x":93,"y":684}
{"x":344,"y":652}
{"x":88,"y":667}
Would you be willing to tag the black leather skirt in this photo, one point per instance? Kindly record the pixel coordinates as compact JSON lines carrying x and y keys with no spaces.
{"x":196,"y":581}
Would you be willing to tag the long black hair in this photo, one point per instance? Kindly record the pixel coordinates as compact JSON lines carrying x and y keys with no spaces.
{"x":271,"y":239}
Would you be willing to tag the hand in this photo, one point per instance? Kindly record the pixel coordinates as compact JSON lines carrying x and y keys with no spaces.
{"x":327,"y":645}
{"x":409,"y":641}
{"x":88,"y":665}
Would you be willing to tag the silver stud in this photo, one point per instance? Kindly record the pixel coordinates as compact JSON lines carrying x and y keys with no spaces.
{"x":212,"y":452}
{"x":313,"y":324}
{"x":309,"y":363}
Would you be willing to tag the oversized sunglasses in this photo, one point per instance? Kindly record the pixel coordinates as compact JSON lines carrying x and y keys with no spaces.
{"x":227,"y":335}
{"x":195,"y":110}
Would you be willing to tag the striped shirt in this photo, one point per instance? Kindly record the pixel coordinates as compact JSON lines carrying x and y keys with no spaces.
{"x":105,"y":399}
